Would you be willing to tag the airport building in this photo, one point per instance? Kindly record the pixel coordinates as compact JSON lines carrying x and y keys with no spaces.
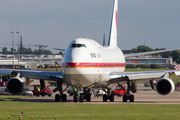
{"x":47,"y":59}
{"x":28,"y":61}
{"x":149,"y":60}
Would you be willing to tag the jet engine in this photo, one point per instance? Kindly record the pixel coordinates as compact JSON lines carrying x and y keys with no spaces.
{"x":15,"y":85}
{"x":165,"y":86}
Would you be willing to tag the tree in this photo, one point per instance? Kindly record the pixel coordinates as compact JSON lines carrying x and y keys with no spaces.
{"x":29,"y":51}
{"x":48,"y":52}
{"x":61,"y":53}
{"x":24,"y":50}
{"x":175,"y":55}
{"x":11,"y":52}
{"x":5,"y":51}
{"x":155,"y":66}
{"x":42,"y":51}
{"x":144,"y":49}
{"x":134,"y":50}
{"x":35,"y":52}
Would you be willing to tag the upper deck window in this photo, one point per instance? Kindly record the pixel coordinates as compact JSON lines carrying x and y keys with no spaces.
{"x":78,"y":45}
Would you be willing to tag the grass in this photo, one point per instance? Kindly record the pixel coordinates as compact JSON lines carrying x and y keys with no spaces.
{"x":80,"y":111}
{"x":11,"y":97}
{"x":50,"y":69}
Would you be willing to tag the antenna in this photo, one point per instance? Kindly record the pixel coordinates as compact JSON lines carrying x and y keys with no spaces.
{"x":144,"y":43}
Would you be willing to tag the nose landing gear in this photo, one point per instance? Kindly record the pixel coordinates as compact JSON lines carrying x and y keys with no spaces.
{"x":81,"y":96}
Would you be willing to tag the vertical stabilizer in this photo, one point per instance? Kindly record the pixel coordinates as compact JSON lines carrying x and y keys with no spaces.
{"x":104,"y":41}
{"x":113,"y":29}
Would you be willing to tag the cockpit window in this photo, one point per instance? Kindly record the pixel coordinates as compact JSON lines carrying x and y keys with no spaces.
{"x":78,"y":45}
{"x":73,"y":45}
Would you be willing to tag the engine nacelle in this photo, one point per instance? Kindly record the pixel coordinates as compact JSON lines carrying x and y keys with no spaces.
{"x":15,"y":85}
{"x":165,"y":86}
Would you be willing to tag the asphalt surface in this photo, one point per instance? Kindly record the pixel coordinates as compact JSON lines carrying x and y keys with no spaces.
{"x":144,"y":96}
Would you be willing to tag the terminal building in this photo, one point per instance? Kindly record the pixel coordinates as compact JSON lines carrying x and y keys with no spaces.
{"x":149,"y":60}
{"x":28,"y":61}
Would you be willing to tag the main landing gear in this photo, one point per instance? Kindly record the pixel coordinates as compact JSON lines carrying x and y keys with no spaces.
{"x":131,"y":86}
{"x":108,"y":96}
{"x":60,"y":96}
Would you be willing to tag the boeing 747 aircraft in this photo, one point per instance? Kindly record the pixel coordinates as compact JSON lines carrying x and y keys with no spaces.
{"x":88,"y":65}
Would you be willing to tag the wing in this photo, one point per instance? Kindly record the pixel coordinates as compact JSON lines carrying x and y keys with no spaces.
{"x":148,"y":53}
{"x":164,"y":85}
{"x":123,"y":77}
{"x":59,"y":49}
{"x":46,"y":75}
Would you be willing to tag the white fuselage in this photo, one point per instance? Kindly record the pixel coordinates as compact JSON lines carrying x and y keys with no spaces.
{"x":88,"y":64}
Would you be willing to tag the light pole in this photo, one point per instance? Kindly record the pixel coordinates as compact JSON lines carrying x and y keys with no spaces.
{"x":18,"y":46}
{"x":13,"y":42}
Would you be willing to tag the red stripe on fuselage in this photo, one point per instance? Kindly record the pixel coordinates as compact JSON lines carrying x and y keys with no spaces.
{"x":94,"y":64}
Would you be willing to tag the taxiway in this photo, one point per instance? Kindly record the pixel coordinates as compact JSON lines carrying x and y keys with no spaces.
{"x":141,"y":97}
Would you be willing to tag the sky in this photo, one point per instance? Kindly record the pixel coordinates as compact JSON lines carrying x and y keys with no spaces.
{"x":57,"y":22}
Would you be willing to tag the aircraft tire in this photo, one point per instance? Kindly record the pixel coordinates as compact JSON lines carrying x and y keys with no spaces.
{"x":104,"y":98}
{"x":131,"y":98}
{"x":124,"y":98}
{"x":88,"y":97}
{"x":81,"y":99}
{"x":64,"y":98}
{"x":111,"y":98}
{"x":75,"y":98}
{"x":57,"y":98}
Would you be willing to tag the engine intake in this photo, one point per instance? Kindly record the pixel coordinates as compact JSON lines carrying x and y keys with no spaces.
{"x":15,"y":85}
{"x":165,"y":86}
